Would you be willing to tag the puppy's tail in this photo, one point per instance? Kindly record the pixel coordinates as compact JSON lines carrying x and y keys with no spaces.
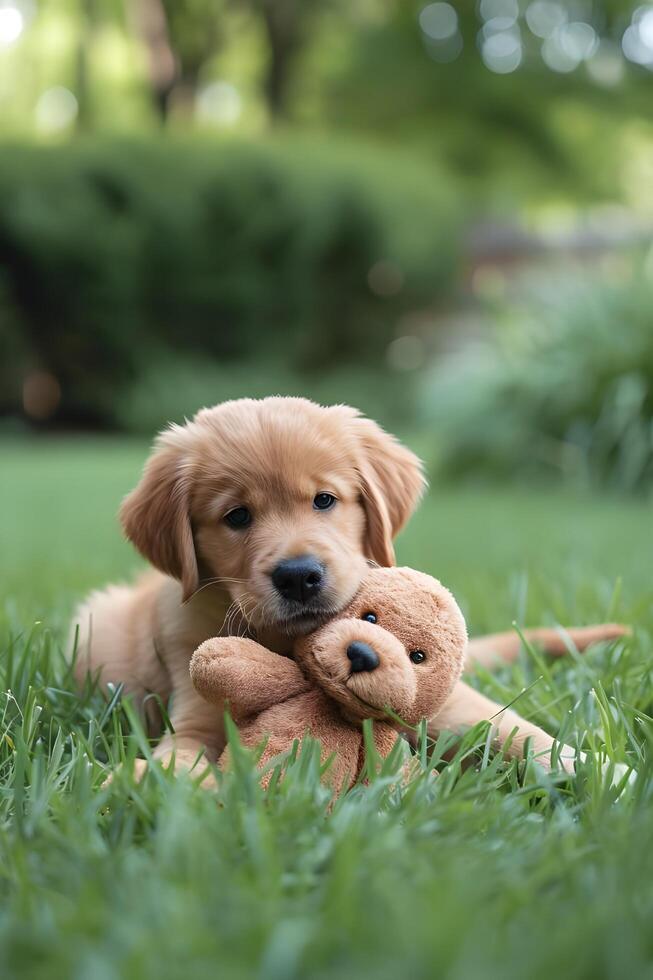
{"x":488,"y":651}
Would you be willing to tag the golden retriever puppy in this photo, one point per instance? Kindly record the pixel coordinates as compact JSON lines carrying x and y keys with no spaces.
{"x":260,"y":518}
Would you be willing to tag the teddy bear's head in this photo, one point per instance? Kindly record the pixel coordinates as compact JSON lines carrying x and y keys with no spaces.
{"x":399,"y":644}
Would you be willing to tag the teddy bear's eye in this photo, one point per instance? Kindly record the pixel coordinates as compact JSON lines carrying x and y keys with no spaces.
{"x":369,"y":617}
{"x":417,"y":656}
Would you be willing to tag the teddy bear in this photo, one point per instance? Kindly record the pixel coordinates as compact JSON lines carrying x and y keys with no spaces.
{"x":398,"y":645}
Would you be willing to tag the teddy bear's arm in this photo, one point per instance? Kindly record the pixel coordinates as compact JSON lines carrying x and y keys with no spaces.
{"x":244,"y":673}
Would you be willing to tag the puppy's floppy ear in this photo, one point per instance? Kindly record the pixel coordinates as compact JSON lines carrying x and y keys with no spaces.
{"x":392,"y":482}
{"x":155,"y":515}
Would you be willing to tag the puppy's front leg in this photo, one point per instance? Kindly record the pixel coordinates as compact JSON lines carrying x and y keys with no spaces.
{"x":467,"y":706}
{"x":198,"y":728}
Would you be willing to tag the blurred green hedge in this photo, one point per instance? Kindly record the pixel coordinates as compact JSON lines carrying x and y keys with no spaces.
{"x":117,"y":254}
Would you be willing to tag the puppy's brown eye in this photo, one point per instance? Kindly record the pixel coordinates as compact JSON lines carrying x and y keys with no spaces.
{"x":238,"y":518}
{"x":369,"y":617}
{"x":417,"y":656}
{"x":323,"y":501}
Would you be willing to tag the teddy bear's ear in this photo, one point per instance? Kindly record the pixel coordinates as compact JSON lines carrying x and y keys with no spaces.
{"x":392,"y":482}
{"x":155,"y":515}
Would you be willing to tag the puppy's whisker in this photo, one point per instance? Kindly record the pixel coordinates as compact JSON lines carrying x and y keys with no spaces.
{"x":230,"y":615}
{"x":245,"y":625}
{"x":245,"y":600}
{"x":226,"y":579}
{"x":236,"y":623}
{"x":267,"y":609}
{"x":253,"y":611}
{"x":257,"y":615}
{"x":216,"y":580}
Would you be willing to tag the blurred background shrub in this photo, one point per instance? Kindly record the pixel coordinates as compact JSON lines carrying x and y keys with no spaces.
{"x":565,"y":388}
{"x":116,"y":255}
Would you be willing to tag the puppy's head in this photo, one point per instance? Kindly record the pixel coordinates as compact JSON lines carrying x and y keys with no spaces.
{"x":282,"y":502}
{"x":400,"y":644}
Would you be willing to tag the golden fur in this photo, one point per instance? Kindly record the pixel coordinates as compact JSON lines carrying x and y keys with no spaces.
{"x":272,"y":456}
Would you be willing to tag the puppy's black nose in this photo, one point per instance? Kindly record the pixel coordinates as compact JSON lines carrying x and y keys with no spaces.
{"x":362,"y":657}
{"x":298,"y":578}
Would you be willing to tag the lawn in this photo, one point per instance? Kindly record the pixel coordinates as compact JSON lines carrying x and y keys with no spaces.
{"x":490,"y":870}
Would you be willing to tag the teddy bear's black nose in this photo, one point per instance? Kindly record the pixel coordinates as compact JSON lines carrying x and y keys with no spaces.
{"x":362,"y":656}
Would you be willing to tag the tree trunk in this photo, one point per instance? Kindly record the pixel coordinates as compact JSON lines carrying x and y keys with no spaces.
{"x":150,"y":23}
{"x":83,"y":119}
{"x":282,"y":27}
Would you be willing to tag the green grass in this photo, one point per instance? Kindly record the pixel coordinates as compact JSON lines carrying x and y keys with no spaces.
{"x":490,"y":870}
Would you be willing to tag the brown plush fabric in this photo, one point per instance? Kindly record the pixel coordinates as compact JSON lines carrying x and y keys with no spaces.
{"x":273,"y":697}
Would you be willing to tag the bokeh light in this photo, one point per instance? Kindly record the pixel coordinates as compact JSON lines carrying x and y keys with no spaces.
{"x":643,"y":17}
{"x":439,"y":21}
{"x":637,"y":41}
{"x":12,"y":24}
{"x":41,"y":395}
{"x":219,"y":104}
{"x":440,"y":32}
{"x":501,"y":52}
{"x":385,"y":278}
{"x":606,"y":65}
{"x":544,"y":17}
{"x":406,"y":353}
{"x":56,"y":110}
{"x":578,"y":40}
{"x":556,"y":58}
{"x":499,"y":15}
{"x":569,"y":45}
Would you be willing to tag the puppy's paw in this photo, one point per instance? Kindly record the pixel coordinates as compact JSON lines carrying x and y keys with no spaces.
{"x":619,"y":773}
{"x":139,"y":770}
{"x":199,"y":771}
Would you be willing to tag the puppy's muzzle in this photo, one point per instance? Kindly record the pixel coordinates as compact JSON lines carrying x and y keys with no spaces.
{"x":299,"y":579}
{"x":362,"y":657}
